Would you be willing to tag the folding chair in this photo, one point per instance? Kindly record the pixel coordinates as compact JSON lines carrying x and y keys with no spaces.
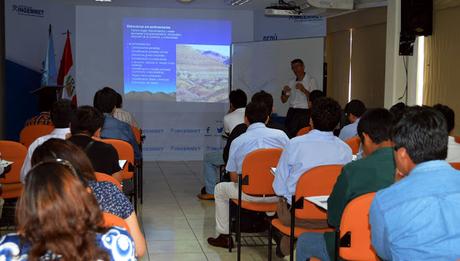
{"x":125,"y":152}
{"x":455,"y":165}
{"x":15,"y":152}
{"x":303,"y":131}
{"x":315,"y":182}
{"x":105,"y":177}
{"x":457,"y":139}
{"x":255,"y":180}
{"x":354,"y":144}
{"x":110,"y":220}
{"x":30,"y":133}
{"x":140,"y":164}
{"x":354,"y":235}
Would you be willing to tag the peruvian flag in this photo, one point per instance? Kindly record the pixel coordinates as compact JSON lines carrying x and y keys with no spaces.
{"x":64,"y":78}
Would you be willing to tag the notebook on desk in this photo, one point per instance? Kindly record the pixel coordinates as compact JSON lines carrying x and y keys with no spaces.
{"x":320,"y":201}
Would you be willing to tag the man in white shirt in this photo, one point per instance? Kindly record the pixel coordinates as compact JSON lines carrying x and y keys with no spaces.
{"x":353,"y":110}
{"x":123,"y":115}
{"x":213,"y":160}
{"x":453,"y":148}
{"x":297,"y":92}
{"x":61,"y":115}
{"x":257,"y":136}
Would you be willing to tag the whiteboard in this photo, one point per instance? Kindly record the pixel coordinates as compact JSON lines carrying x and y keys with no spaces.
{"x":266,"y":66}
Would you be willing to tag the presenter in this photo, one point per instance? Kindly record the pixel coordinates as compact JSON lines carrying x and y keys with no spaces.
{"x":297,"y":92}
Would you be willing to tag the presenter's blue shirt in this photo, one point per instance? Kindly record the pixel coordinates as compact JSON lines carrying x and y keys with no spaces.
{"x":305,"y":152}
{"x":257,"y":136}
{"x":116,"y":129}
{"x":418,"y":218}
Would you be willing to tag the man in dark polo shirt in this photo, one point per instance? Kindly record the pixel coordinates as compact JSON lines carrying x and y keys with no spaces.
{"x":370,"y":174}
{"x":103,"y":156}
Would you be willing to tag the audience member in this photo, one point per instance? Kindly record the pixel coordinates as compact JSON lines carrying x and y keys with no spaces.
{"x":235,"y":116}
{"x":398,"y":110}
{"x":453,"y":148}
{"x":370,"y":174}
{"x":123,"y":115}
{"x":61,"y":115}
{"x":213,"y":160}
{"x":59,"y":220}
{"x":257,"y":136}
{"x":109,"y":197}
{"x":316,"y":148}
{"x":105,"y":100}
{"x":353,"y":111}
{"x":417,"y":217}
{"x":46,"y":99}
{"x":87,"y":122}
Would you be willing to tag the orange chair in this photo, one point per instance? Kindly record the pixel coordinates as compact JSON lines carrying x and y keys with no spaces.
{"x":455,"y":165}
{"x":140,"y":166}
{"x":255,"y":180}
{"x":457,"y":139}
{"x":354,"y":144}
{"x":314,"y":182}
{"x":137,"y":135}
{"x":304,"y":131}
{"x":30,"y":133}
{"x":15,"y":152}
{"x":355,"y":234}
{"x":110,"y":220}
{"x":105,"y":177}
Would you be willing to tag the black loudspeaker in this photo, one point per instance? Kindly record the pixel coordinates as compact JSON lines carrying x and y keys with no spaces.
{"x":417,"y":17}
{"x":406,"y":44}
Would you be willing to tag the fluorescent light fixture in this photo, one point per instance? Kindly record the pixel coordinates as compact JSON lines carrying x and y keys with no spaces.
{"x":109,"y":1}
{"x":420,"y":69}
{"x":349,"y":72}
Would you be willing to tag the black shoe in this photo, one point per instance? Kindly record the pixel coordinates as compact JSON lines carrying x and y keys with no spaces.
{"x":224,"y":241}
{"x":203,"y":190}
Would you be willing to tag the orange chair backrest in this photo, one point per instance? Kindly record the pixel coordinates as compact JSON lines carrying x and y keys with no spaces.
{"x":304,"y":131}
{"x":355,"y":219}
{"x":457,"y":139}
{"x":137,"y":134}
{"x":110,"y":220}
{"x":125,"y":152}
{"x":455,"y":165}
{"x":257,"y":166}
{"x":30,"y":133}
{"x":105,"y":177}
{"x":15,"y":152}
{"x":354,"y":143}
{"x":317,"y":181}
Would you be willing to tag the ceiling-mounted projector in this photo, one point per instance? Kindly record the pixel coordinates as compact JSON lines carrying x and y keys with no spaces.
{"x":283,"y":10}
{"x":332,"y":4}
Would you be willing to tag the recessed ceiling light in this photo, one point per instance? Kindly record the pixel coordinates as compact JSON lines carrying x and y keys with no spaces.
{"x":103,"y":0}
{"x":185,"y":1}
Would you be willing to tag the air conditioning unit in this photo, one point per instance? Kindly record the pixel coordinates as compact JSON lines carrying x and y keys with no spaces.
{"x":283,"y":10}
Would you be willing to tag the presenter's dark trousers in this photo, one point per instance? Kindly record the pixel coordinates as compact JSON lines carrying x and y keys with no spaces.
{"x":296,"y":119}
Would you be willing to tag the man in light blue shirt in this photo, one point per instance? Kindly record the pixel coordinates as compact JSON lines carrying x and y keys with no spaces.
{"x":318,"y":147}
{"x":353,"y":110}
{"x":257,"y":136}
{"x":417,"y":218}
{"x":105,"y":100}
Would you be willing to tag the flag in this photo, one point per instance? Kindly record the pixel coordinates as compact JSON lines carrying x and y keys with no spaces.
{"x":49,"y":65}
{"x":65,"y":78}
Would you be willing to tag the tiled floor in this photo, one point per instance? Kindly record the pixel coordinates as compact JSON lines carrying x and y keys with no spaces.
{"x":175,"y":222}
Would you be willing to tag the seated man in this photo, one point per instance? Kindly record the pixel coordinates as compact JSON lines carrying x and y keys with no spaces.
{"x":257,"y":136}
{"x":61,"y":115}
{"x":105,"y":100}
{"x":353,"y":111}
{"x":370,"y":174}
{"x":123,"y":115}
{"x":318,"y":147}
{"x":86,"y":124}
{"x":212,"y":160}
{"x":453,"y":148}
{"x":417,"y":217}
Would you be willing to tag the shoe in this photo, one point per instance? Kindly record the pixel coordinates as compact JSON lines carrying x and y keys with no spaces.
{"x":224,"y":241}
{"x":205,"y":196}
{"x":203,"y":190}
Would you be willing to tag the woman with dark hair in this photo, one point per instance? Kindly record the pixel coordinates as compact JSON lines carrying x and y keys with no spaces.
{"x":58,"y":219}
{"x":109,"y":197}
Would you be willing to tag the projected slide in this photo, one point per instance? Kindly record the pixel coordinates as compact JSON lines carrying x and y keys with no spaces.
{"x":177,"y":60}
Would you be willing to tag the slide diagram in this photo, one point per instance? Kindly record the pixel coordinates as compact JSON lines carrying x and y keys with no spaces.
{"x":177,"y":60}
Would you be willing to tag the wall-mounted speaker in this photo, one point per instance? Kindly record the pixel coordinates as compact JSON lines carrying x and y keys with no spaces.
{"x":417,"y":17}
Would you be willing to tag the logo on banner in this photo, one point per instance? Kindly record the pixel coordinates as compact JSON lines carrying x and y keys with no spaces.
{"x":306,"y":18}
{"x":159,"y":149}
{"x":185,"y":131}
{"x":154,"y":131}
{"x":213,"y":148}
{"x":29,"y":11}
{"x":185,"y":148}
